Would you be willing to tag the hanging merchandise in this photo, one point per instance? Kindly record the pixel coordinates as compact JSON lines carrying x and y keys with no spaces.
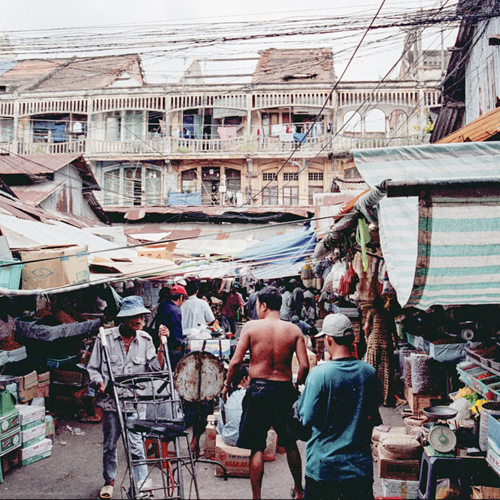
{"x":363,"y":238}
{"x":307,"y":275}
{"x":333,"y":279}
{"x":348,"y":282}
{"x":367,"y":284}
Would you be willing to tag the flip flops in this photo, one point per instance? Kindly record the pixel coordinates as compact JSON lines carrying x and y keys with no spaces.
{"x":106,"y":491}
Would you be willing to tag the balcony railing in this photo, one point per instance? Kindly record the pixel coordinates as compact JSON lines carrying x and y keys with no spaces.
{"x":137,"y":146}
{"x":246,"y":145}
{"x":31,"y":148}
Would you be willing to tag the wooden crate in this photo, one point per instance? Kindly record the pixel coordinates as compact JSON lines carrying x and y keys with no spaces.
{"x":417,"y":402}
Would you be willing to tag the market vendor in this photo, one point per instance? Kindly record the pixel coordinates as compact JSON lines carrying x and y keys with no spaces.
{"x":131,"y":350}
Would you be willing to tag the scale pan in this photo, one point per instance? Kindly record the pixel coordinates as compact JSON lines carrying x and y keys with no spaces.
{"x":440,"y":412}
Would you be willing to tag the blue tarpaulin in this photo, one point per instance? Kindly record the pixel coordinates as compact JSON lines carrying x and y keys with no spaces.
{"x":287,"y":248}
{"x":184,"y":199}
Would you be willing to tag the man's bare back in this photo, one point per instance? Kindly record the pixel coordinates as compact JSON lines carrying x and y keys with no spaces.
{"x":272,"y":343}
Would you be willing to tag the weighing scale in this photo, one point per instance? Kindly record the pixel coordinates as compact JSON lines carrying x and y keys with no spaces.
{"x":441,"y":439}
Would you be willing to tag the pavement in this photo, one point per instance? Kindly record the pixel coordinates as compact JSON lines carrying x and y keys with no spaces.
{"x":74,"y":470}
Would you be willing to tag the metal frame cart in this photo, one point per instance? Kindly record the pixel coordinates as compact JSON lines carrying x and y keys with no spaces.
{"x":148,"y":404}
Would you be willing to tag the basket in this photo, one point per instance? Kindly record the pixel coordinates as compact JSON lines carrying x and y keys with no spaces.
{"x":10,"y":276}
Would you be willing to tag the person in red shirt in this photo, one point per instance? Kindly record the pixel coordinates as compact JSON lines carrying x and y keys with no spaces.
{"x":233,"y":304}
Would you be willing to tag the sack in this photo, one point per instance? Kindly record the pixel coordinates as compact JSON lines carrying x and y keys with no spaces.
{"x":295,"y":426}
{"x":400,"y":447}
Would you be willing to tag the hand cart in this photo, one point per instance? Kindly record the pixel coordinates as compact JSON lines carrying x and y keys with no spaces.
{"x":148,"y":404}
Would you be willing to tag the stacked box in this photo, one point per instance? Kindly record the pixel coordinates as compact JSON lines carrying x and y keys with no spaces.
{"x":32,"y":435}
{"x":10,"y":440}
{"x":403,"y":470}
{"x":395,"y":488}
{"x":37,"y":451}
{"x":30,"y":416}
{"x":9,"y":421}
{"x":43,"y":385}
{"x":28,"y":387}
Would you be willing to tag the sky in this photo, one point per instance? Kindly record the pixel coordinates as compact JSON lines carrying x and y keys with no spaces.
{"x":371,"y":62}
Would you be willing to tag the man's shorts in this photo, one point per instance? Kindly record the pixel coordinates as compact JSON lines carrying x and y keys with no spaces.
{"x":267,"y":403}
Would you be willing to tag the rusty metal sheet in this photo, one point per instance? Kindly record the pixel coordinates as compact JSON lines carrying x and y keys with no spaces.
{"x":199,"y":376}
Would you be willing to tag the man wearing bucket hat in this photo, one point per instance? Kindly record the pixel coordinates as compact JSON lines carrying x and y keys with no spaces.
{"x":340,"y":404}
{"x":131,"y":350}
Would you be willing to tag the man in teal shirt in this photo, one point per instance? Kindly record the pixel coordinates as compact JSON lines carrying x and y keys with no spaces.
{"x":340,"y":404}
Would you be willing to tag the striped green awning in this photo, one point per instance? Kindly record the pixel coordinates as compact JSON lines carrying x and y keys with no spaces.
{"x":447,"y":250}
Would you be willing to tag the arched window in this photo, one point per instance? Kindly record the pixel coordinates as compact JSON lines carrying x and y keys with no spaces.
{"x":375,"y":121}
{"x":398,"y":124}
{"x":132,"y":184}
{"x":352,"y":122}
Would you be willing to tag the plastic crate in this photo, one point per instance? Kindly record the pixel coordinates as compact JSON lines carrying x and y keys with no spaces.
{"x":56,"y":363}
{"x":10,"y":276}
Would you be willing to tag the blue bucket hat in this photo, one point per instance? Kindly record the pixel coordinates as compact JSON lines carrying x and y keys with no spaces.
{"x":132,"y":306}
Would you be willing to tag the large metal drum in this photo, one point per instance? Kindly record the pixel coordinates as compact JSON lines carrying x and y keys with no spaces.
{"x":199,"y":376}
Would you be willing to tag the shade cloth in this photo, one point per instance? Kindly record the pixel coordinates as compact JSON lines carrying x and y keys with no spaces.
{"x":447,"y":250}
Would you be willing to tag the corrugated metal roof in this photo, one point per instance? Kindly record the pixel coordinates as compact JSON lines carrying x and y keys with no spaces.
{"x":479,"y":130}
{"x":294,"y":65}
{"x":34,"y":164}
{"x":33,"y":195}
{"x":351,"y":184}
{"x":249,"y":232}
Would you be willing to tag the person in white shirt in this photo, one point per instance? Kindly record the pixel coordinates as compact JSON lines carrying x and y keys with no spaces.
{"x":196,"y":313}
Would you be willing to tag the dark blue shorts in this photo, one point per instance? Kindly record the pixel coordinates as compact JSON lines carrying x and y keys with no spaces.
{"x":267,"y":403}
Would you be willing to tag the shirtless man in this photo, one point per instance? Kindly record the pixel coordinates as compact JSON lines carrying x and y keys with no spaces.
{"x":270,"y":396}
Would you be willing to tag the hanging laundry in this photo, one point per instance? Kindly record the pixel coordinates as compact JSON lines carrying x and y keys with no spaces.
{"x":300,"y":137}
{"x":227,"y":132}
{"x":286,"y":137}
{"x":276,"y":130}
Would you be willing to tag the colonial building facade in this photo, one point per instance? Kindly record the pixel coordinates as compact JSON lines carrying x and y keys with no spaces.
{"x":196,"y":143}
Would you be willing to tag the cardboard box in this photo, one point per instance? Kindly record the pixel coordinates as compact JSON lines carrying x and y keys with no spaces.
{"x":28,"y":381}
{"x":158,"y":251}
{"x":26,"y":395}
{"x":10,"y":440}
{"x":44,"y":378}
{"x":43,"y":391}
{"x":33,"y":435}
{"x":36,"y":458}
{"x":36,"y":452}
{"x":295,"y":362}
{"x":485,"y":492}
{"x":395,"y":488}
{"x":30,"y":416}
{"x":406,"y":470}
{"x":9,"y":421}
{"x":210,"y":437}
{"x":235,"y":460}
{"x":68,"y":265}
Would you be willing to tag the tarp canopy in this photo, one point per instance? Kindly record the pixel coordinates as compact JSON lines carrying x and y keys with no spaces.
{"x":287,"y":248}
{"x":444,"y":251}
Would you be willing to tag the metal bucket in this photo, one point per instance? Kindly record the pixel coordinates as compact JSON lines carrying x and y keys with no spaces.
{"x":486,"y":410}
